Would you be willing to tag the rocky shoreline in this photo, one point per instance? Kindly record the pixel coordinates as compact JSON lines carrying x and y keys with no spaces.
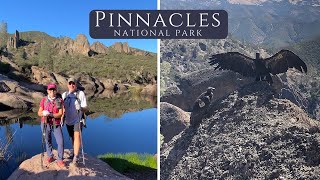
{"x":23,"y":95}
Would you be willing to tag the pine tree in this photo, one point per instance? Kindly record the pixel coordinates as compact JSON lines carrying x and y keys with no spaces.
{"x":3,"y":34}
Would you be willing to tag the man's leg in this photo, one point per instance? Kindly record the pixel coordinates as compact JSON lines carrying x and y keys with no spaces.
{"x":76,"y":142}
{"x":71,"y":135}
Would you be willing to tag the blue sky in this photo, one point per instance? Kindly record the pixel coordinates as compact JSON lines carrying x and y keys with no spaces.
{"x":68,"y":17}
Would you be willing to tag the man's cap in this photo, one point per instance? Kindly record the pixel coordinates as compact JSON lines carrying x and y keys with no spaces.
{"x":52,"y":86}
{"x":72,"y":80}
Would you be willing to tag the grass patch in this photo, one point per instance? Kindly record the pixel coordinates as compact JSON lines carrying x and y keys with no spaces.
{"x":130,"y":162}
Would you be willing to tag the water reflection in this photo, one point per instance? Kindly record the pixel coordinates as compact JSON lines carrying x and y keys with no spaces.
{"x":115,"y":104}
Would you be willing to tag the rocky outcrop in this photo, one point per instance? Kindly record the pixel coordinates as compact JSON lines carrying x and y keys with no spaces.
{"x":16,"y":96}
{"x":125,"y":48}
{"x":99,"y":48}
{"x":173,"y":120}
{"x":13,"y":42}
{"x":81,"y":44}
{"x":93,"y":169}
{"x":78,"y":46}
{"x":150,"y":89}
{"x":249,"y":134}
{"x":41,"y":76}
{"x":121,"y":47}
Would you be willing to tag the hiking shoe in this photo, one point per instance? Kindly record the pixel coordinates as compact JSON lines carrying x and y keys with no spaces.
{"x":75,"y":161}
{"x":50,"y":160}
{"x":60,"y":163}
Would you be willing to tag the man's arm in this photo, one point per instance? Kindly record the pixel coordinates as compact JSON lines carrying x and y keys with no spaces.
{"x":83,"y":100}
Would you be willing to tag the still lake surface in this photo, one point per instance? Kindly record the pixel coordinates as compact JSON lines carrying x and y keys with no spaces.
{"x":129,"y":132}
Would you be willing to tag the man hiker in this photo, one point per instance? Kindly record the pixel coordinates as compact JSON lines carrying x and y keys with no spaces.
{"x":75,"y":104}
{"x":51,"y":110}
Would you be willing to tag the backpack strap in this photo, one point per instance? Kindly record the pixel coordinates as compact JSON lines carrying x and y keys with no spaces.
{"x":57,"y":102}
{"x":77,"y":95}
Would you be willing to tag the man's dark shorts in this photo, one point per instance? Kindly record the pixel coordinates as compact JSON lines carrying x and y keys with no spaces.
{"x":73,"y":128}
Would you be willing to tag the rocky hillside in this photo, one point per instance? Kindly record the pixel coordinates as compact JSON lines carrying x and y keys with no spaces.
{"x":272,"y":23}
{"x":66,"y":56}
{"x":249,"y":134}
{"x":30,"y":60}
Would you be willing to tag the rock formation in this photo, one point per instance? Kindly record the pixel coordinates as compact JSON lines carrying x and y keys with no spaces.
{"x":121,"y":47}
{"x":14,"y":95}
{"x":13,"y":42}
{"x":78,"y":46}
{"x":150,"y":89}
{"x":93,"y":169}
{"x":81,"y":44}
{"x":173,"y":120}
{"x":99,"y":48}
{"x":248,"y":134}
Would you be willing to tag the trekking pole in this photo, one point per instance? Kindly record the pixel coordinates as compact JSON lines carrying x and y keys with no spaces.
{"x":81,"y":138}
{"x":44,"y":130}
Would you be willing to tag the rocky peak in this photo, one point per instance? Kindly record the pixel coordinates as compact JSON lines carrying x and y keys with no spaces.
{"x":82,"y":45}
{"x":13,"y":42}
{"x":247,"y":135}
{"x":78,"y":46}
{"x":100,"y":48}
{"x":121,"y":47}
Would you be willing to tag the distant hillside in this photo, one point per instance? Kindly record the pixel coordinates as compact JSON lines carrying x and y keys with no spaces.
{"x":309,"y":51}
{"x":272,"y":23}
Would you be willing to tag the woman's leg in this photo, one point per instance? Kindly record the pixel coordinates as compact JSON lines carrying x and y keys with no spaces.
{"x":59,"y":139}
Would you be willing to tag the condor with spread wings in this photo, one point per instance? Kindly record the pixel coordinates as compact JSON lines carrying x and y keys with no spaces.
{"x":258,"y":68}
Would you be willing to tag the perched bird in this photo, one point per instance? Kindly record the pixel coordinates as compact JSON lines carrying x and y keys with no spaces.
{"x":258,"y":68}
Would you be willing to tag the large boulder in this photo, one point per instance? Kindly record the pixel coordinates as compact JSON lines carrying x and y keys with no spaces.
{"x":14,"y":95}
{"x":150,"y":89}
{"x":94,"y":168}
{"x":11,"y":100}
{"x":173,"y":120}
{"x":41,"y":76}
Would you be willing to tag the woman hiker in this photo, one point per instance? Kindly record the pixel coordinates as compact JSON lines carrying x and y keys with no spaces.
{"x":51,"y":110}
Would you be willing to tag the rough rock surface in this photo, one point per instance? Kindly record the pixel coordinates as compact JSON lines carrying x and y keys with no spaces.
{"x":173,"y":120}
{"x":247,"y":135}
{"x":94,"y":169}
{"x":150,"y":89}
{"x":99,"y":48}
{"x":121,"y":47}
{"x":13,"y":42}
{"x":14,"y":95}
{"x":69,"y":46}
